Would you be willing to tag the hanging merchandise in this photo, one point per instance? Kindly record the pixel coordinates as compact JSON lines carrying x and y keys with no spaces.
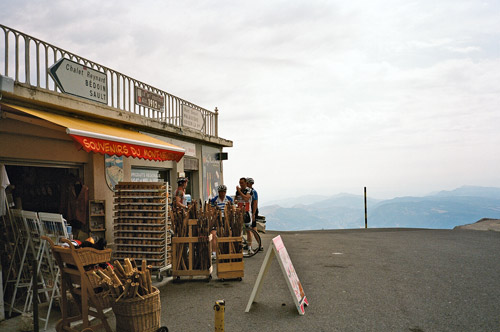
{"x":74,"y":200}
{"x":4,"y":183}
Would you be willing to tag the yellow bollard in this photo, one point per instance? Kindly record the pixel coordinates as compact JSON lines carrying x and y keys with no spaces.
{"x":219,"y":309}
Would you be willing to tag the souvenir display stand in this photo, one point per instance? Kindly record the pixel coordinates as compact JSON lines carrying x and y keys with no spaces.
{"x":190,"y":252}
{"x":142,"y":225}
{"x":230,"y":258}
{"x":76,"y":279}
{"x":229,"y":244}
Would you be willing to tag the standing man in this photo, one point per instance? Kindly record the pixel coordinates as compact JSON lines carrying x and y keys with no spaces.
{"x":220,"y":202}
{"x":255,"y":203}
{"x":180,"y":194}
{"x":255,"y":206}
{"x":244,"y":199}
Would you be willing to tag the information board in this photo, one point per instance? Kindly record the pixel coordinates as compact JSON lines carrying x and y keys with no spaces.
{"x":149,"y":99}
{"x":80,"y":80}
{"x":278,"y":249}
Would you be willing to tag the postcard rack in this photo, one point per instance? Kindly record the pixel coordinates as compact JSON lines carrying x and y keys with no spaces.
{"x":141,"y":224}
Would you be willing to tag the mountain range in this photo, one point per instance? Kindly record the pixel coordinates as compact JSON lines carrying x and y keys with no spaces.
{"x":442,"y":210}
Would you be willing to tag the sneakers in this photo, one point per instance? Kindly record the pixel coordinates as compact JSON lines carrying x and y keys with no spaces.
{"x":214,"y":256}
{"x":250,"y":251}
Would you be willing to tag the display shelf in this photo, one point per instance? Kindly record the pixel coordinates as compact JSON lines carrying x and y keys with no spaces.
{"x":141,"y":225}
{"x":97,"y":216}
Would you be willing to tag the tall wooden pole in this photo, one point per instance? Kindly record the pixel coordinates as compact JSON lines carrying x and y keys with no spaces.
{"x":366,"y":214}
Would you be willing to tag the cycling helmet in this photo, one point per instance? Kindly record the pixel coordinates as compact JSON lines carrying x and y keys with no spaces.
{"x":222,"y":188}
{"x":250,"y":180}
{"x":181,"y":180}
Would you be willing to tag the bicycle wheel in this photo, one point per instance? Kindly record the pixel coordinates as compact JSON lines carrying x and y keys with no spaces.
{"x":251,"y":242}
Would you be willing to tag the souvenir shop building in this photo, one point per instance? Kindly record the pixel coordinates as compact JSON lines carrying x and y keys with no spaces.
{"x":70,"y":129}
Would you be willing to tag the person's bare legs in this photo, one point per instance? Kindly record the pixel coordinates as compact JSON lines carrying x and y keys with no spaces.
{"x":213,"y":243}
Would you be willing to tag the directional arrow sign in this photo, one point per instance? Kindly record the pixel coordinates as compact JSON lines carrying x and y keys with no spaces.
{"x":192,"y":118}
{"x":79,"y":80}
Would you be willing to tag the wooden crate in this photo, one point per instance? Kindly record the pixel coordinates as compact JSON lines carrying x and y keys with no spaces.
{"x":182,"y":264}
{"x":230,"y":258}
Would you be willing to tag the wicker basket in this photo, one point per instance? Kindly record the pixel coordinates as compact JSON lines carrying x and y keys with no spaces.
{"x":138,"y":315}
{"x":91,"y":256}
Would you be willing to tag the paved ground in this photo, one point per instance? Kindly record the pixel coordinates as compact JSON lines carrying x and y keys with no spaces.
{"x":357,"y":280}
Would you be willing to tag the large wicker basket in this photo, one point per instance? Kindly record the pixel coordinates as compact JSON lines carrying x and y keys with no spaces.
{"x":91,"y":256}
{"x":138,"y":315}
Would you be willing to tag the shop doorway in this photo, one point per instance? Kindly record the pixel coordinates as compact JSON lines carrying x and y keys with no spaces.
{"x":44,"y":189}
{"x":191,"y":187}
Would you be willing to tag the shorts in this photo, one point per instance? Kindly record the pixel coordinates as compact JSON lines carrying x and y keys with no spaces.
{"x":247,"y":219}
{"x":214,"y":225}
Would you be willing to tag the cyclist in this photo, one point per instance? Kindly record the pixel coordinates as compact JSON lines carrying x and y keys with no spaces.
{"x":244,"y":199}
{"x":220,"y":201}
{"x":255,"y":201}
{"x":180,"y":194}
{"x":255,"y":205}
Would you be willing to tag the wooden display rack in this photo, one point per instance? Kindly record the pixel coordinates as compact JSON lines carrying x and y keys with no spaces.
{"x":230,"y":265}
{"x":141,"y":223}
{"x":77,"y":282}
{"x":181,"y":268}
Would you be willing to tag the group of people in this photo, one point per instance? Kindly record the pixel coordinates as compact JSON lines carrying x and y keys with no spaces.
{"x":245,"y":197}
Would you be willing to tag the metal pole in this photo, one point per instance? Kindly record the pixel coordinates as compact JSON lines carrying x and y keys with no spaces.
{"x":366,"y":215}
{"x":219,"y":309}
{"x":35,"y":295}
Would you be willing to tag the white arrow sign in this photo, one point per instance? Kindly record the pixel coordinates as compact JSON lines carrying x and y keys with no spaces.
{"x":192,"y":118}
{"x":79,"y":80}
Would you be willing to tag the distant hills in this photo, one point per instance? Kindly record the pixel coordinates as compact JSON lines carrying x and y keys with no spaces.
{"x":445,"y":209}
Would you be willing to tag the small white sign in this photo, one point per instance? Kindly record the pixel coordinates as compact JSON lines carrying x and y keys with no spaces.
{"x":189,"y":147}
{"x":78,"y":80}
{"x":192,"y":118}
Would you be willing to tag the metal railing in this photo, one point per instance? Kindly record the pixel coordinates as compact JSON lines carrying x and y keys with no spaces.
{"x":28,"y":60}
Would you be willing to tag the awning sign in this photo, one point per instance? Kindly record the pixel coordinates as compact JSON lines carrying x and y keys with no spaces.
{"x":126,"y":149}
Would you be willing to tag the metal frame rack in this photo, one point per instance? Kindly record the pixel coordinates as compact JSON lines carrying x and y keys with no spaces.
{"x":142,"y":225}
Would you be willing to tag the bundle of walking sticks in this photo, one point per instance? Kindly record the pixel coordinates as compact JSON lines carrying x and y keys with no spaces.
{"x":126,"y":281}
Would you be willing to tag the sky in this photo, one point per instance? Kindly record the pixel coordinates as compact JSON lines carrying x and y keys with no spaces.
{"x":319,"y":97}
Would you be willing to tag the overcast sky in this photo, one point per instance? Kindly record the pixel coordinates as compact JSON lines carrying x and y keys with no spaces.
{"x":324,"y":97}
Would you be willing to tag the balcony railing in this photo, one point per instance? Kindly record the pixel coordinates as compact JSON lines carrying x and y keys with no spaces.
{"x":27,"y":60}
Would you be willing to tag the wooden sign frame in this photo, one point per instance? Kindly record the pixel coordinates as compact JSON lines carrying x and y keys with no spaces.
{"x":279,"y":251}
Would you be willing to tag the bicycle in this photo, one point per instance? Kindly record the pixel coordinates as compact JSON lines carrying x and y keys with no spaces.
{"x":254,"y":247}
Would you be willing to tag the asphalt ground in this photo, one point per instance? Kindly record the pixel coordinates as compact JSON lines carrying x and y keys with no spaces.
{"x":355,"y":280}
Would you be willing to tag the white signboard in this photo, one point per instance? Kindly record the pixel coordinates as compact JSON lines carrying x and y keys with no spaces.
{"x":192,"y":118}
{"x":278,"y":249}
{"x":79,"y":80}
